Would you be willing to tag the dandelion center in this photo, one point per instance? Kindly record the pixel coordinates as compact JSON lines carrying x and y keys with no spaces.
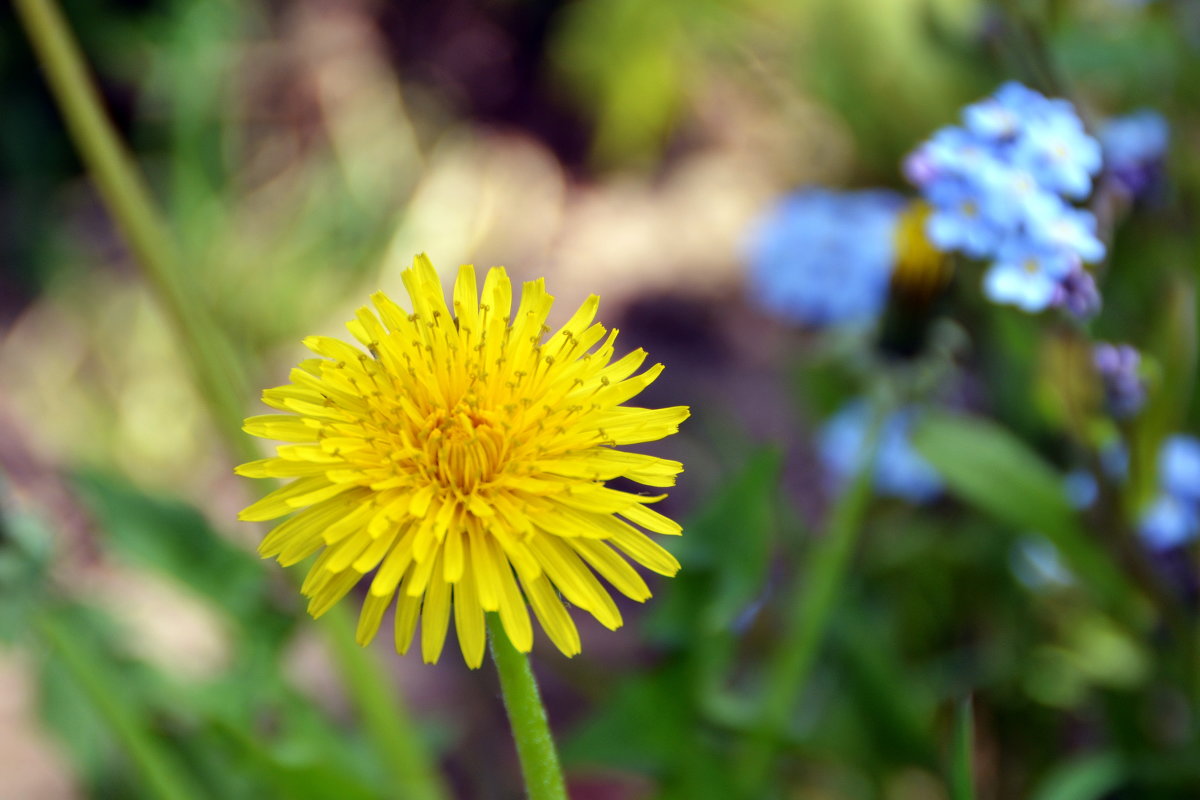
{"x":463,"y":450}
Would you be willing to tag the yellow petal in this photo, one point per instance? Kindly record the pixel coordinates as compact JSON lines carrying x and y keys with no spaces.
{"x":309,"y":524}
{"x":395,"y":564}
{"x":408,"y":610}
{"x":646,"y":551}
{"x":370,"y":617}
{"x":554,"y":618}
{"x":284,"y":427}
{"x":612,"y":567}
{"x":485,"y":570}
{"x":575,"y":580}
{"x":651,"y":520}
{"x":333,"y":591}
{"x":636,"y":425}
{"x":280,"y":468}
{"x":452,"y":553}
{"x":466,"y":302}
{"x":468,"y":621}
{"x":514,"y":616}
{"x":435,"y":616}
{"x":276,"y":503}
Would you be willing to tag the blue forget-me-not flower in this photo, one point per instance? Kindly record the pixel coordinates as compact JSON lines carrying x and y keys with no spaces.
{"x":1174,"y":516}
{"x":1135,"y":147}
{"x":999,"y":186}
{"x":822,"y":257}
{"x":1119,"y":367}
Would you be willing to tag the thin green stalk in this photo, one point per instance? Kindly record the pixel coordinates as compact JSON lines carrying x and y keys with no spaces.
{"x":527,"y":718}
{"x":812,"y":605}
{"x":125,"y":194}
{"x":383,"y":714}
{"x":160,"y":777}
{"x":1030,"y":45}
{"x":962,"y":770}
{"x":211,"y":361}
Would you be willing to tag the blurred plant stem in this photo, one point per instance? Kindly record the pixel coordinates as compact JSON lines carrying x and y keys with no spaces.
{"x":160,"y":777}
{"x":1029,"y":46}
{"x":962,"y":762}
{"x":811,"y":609}
{"x":527,"y":717}
{"x":128,"y":200}
{"x":384,"y":716}
{"x":213,"y":363}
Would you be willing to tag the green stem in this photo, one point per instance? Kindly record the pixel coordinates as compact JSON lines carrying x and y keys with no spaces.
{"x":159,"y":775}
{"x":383,"y":714}
{"x":125,"y":194}
{"x":1031,"y":49}
{"x":212,"y":364}
{"x":527,"y":717}
{"x":812,"y":603}
{"x":962,"y":771}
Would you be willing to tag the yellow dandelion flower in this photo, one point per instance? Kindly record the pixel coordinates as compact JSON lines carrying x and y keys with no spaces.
{"x":462,"y":460}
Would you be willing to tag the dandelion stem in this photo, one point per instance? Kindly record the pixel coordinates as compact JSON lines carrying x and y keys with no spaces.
{"x":527,"y":717}
{"x":812,"y":606}
{"x":160,"y":777}
{"x":212,"y":362}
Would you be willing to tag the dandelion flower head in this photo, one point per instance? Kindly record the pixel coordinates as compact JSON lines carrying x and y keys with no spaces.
{"x":457,"y":465}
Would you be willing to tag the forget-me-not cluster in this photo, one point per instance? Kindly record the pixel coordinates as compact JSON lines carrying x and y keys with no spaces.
{"x":1001,"y":187}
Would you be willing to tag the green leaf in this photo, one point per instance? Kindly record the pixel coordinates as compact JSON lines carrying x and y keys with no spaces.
{"x":897,"y":724}
{"x":1089,"y":778}
{"x":312,"y":774}
{"x":737,"y":526}
{"x":115,"y":695}
{"x":25,"y":555}
{"x":986,"y":466}
{"x":725,"y":552}
{"x":648,"y":726}
{"x":637,"y":728}
{"x":65,"y":709}
{"x":175,"y":539}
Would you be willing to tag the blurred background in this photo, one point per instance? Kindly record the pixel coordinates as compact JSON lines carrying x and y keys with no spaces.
{"x":303,"y":152}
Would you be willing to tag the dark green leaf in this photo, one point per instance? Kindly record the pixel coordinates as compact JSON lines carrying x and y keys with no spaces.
{"x":175,"y":539}
{"x":1089,"y":778}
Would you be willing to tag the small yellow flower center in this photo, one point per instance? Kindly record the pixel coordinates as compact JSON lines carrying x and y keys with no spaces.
{"x":920,"y":269}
